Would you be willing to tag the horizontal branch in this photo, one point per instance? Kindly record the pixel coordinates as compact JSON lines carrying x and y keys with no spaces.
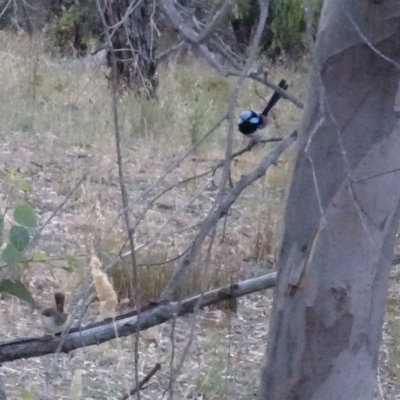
{"x":126,"y":324}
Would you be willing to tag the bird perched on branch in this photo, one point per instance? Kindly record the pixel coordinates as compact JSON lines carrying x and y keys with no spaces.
{"x":55,"y":320}
{"x":252,"y":122}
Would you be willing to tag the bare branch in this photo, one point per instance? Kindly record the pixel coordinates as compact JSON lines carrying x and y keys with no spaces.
{"x":56,"y":211}
{"x":217,"y":20}
{"x":211,"y":59}
{"x":176,"y":19}
{"x":233,"y":98}
{"x":5,"y":8}
{"x":246,"y":149}
{"x":189,"y":34}
{"x":124,"y":194}
{"x":177,"y":163}
{"x":170,"y":50}
{"x":234,"y":70}
{"x":128,"y":324}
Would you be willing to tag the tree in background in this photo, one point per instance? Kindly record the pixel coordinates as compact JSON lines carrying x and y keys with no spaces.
{"x":133,"y":43}
{"x":342,"y":212}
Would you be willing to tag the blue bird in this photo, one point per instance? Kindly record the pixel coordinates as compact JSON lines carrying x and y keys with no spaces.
{"x":250,"y":122}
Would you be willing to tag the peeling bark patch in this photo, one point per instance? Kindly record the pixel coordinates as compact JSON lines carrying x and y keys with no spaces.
{"x":323,"y":344}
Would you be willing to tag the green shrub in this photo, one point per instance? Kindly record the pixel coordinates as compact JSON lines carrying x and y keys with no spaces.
{"x":289,"y":21}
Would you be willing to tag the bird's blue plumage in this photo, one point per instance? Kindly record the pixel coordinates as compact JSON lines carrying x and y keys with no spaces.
{"x":254,"y":120}
{"x":245,"y":115}
{"x":249,"y":122}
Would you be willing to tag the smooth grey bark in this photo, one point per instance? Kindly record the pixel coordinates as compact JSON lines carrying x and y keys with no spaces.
{"x":342,"y":212}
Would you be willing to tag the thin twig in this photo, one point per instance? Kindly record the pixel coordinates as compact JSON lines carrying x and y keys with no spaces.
{"x":246,"y":149}
{"x":124,"y":195}
{"x":189,"y":34}
{"x":170,"y":50}
{"x":177,"y":163}
{"x":5,"y":8}
{"x":55,"y":212}
{"x":214,"y":215}
{"x":139,"y":218}
{"x":150,"y":374}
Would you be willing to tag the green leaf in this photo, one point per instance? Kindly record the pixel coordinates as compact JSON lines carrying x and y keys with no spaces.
{"x":71,"y":261}
{"x":19,"y":237}
{"x":25,"y":215}
{"x":10,"y":254}
{"x":17,"y":289}
{"x":26,"y":395}
{"x":68,"y":269}
{"x":25,"y":187}
{"x":39,"y":256}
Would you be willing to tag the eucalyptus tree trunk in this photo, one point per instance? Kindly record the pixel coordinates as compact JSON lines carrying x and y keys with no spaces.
{"x":342,"y":212}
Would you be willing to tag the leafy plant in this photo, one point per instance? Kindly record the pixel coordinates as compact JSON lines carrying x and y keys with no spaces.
{"x":76,"y":27}
{"x":12,"y":251}
{"x":289,"y":21}
{"x":286,"y":23}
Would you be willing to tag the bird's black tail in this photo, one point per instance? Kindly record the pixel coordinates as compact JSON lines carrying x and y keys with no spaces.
{"x":274,"y":98}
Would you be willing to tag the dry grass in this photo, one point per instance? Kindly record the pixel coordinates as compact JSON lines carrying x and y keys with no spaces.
{"x":56,"y":124}
{"x":61,"y":111}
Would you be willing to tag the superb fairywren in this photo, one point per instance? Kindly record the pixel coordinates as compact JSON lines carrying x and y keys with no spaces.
{"x":55,"y":320}
{"x":251,"y":122}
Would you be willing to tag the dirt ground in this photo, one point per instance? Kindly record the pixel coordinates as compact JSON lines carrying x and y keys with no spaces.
{"x":227,"y":349}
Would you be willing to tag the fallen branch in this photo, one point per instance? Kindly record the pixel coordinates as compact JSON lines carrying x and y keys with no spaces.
{"x":127,"y":324}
